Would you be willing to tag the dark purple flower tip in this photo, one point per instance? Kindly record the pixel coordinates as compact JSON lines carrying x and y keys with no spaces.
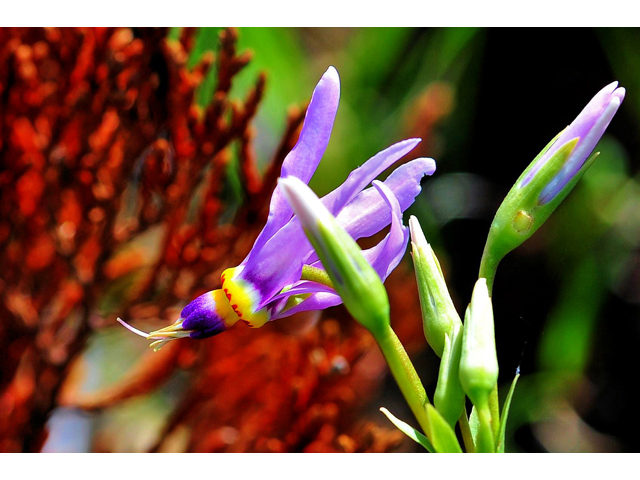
{"x":208,"y":315}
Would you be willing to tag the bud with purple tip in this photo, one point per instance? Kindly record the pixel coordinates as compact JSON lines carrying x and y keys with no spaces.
{"x":549,"y":179}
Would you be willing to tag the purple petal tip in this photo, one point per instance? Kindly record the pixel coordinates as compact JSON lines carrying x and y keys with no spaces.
{"x":620,"y":93}
{"x":332,"y":74}
{"x":429,"y":165}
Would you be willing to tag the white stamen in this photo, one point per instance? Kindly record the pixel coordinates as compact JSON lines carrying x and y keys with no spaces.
{"x":158,"y":344}
{"x":132,"y":329}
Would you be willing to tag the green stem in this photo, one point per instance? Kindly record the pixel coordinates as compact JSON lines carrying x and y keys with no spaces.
{"x":485,"y":439}
{"x":405,"y":375}
{"x":488,"y":268}
{"x":467,"y":437}
{"x":494,"y":407}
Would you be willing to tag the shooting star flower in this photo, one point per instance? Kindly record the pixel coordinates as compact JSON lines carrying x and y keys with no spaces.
{"x":282,"y":274}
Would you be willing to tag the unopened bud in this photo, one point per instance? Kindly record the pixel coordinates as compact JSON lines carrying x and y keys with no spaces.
{"x":439,"y":315}
{"x":479,"y":360}
{"x":549,"y":179}
{"x":357,"y":283}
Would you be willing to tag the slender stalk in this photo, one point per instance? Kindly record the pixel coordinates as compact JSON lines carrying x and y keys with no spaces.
{"x":494,"y":407}
{"x":488,"y":268}
{"x":467,"y":437}
{"x":485,"y":439}
{"x":405,"y":375}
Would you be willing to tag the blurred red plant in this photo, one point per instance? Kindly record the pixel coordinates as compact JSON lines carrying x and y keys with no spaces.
{"x":102,"y":145}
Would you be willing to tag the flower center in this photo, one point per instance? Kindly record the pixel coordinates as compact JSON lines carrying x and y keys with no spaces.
{"x":243,"y":298}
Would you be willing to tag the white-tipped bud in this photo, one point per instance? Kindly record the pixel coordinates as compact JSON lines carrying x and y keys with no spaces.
{"x":479,"y":360}
{"x":439,"y":315}
{"x":352,"y":277}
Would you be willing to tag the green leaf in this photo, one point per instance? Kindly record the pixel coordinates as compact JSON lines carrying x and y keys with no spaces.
{"x":408,"y":430}
{"x":505,"y":414}
{"x":443,"y":436}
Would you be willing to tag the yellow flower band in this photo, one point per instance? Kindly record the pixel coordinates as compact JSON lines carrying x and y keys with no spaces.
{"x":242,"y":298}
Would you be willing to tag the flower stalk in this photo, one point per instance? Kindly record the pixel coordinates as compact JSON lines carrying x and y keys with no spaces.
{"x":405,"y":376}
{"x":358,"y":283}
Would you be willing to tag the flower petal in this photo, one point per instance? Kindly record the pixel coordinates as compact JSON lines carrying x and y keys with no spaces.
{"x":365,"y":174}
{"x":368,"y":212}
{"x":303,"y":287}
{"x":302,"y":161}
{"x":583,"y":124}
{"x":279,"y":262}
{"x":585,"y":146}
{"x":317,"y":301}
{"x":386,"y":255}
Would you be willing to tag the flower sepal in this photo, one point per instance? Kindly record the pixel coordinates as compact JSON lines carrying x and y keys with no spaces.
{"x":353,"y":278}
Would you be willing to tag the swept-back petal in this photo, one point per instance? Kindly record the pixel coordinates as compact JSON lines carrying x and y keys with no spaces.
{"x":279,"y":262}
{"x":386,"y":255}
{"x":303,"y":287}
{"x":368,"y":212}
{"x":317,"y":301}
{"x":365,"y":174}
{"x":302,"y":161}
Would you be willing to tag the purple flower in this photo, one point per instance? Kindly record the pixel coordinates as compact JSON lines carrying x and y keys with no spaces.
{"x":282,"y":275}
{"x":588,"y":127}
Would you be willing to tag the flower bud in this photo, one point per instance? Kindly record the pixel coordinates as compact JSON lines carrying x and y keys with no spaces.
{"x":439,"y":315}
{"x":352,"y":277}
{"x":549,"y":179}
{"x":479,"y":360}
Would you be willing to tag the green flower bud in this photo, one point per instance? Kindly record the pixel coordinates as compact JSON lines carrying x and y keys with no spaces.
{"x":479,"y":360}
{"x":479,"y":363}
{"x":521,"y":213}
{"x":549,"y":179}
{"x":439,"y":316}
{"x":357,"y":283}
